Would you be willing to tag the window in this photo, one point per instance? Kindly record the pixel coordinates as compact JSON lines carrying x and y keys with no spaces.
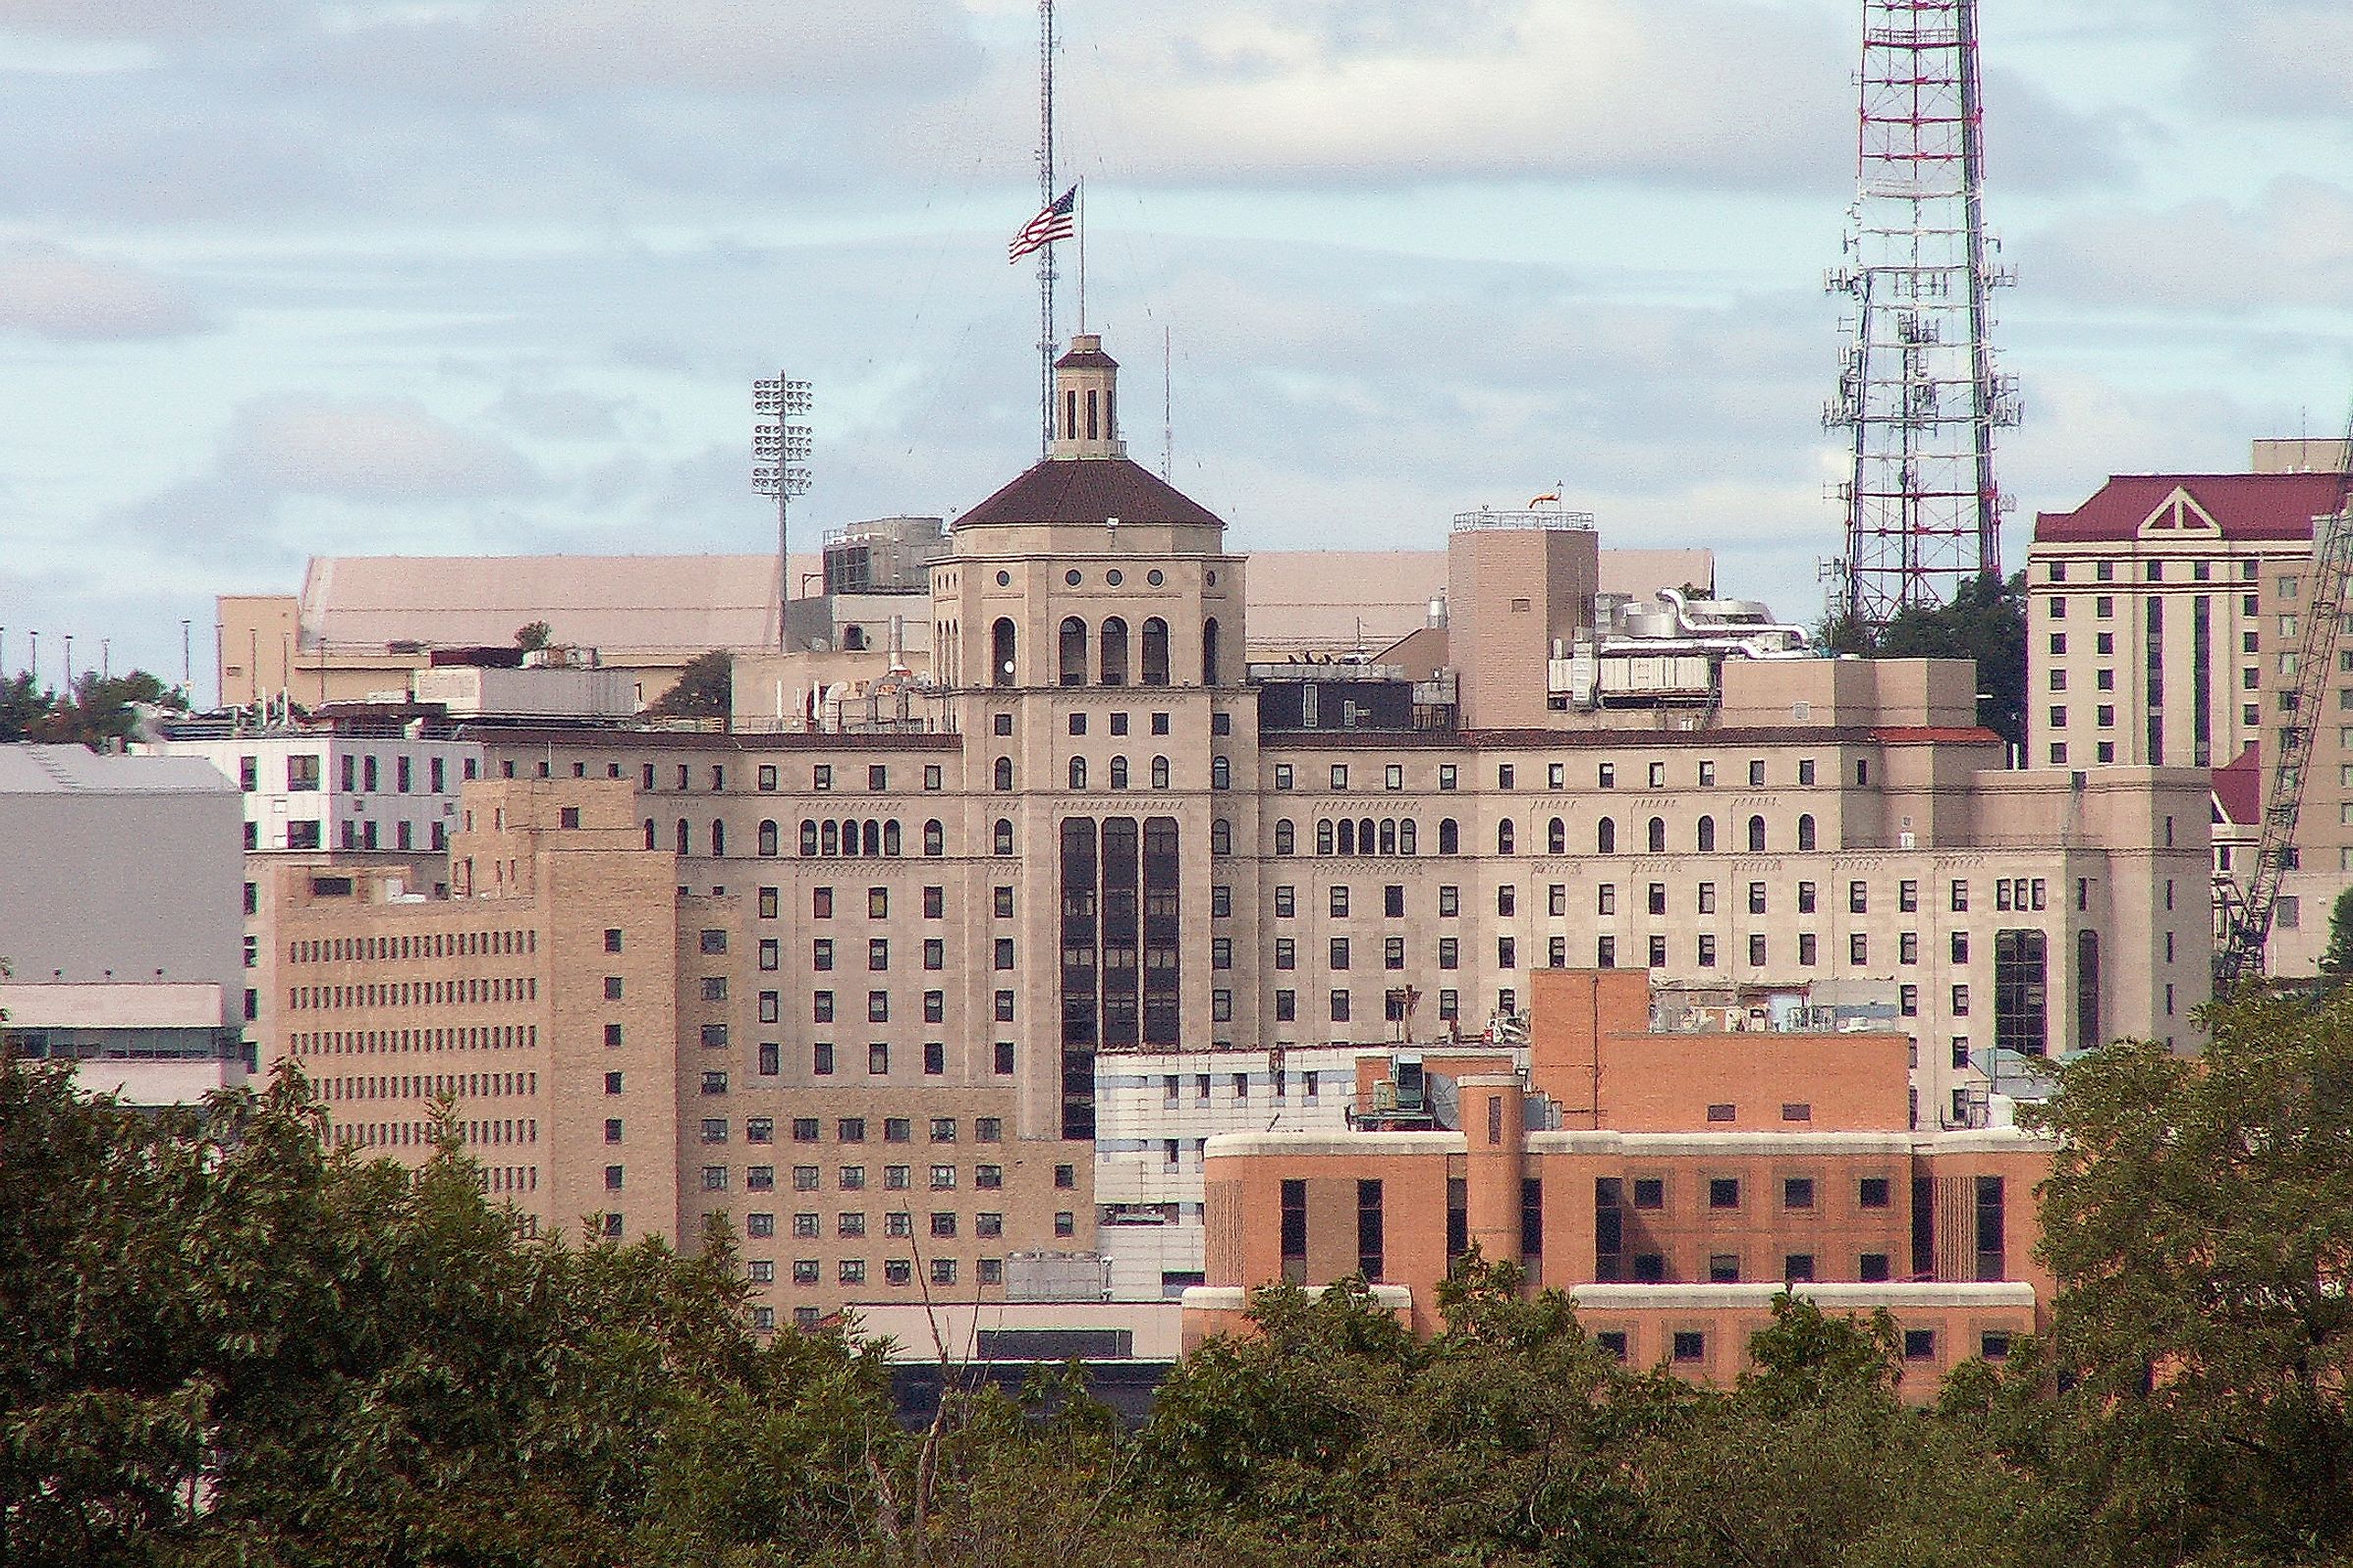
{"x":1870,"y":1192}
{"x":1797,"y":1192}
{"x":1872,"y":1268}
{"x":1724,"y":1192}
{"x":1690,"y":1345}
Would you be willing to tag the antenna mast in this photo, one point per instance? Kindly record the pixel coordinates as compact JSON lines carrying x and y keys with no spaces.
{"x":1917,"y":390}
{"x":1046,"y":194}
{"x":1167,"y":402}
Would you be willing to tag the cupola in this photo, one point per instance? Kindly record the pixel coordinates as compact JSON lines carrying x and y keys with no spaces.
{"x":1086,"y":383}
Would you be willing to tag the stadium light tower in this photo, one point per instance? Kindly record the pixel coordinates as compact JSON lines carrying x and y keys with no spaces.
{"x":780,"y":449}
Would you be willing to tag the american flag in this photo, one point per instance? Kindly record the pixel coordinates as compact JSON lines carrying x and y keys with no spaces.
{"x":1058,"y":221}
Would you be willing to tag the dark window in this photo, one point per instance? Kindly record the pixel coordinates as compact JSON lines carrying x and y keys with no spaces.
{"x":1724,"y":1192}
{"x":1294,"y":1232}
{"x":1369,"y":1257}
{"x":1690,"y":1345}
{"x":1870,"y":1192}
{"x":1650,"y":1192}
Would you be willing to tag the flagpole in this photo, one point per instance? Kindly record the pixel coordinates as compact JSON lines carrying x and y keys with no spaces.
{"x":1078,"y":222}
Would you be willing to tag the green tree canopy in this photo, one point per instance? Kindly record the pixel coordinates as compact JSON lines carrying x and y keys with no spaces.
{"x":2200,"y":1223}
{"x":705,"y":688}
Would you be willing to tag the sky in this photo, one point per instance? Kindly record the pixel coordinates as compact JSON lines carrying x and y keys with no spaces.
{"x":292,"y":277}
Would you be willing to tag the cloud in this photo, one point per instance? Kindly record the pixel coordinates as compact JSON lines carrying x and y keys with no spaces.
{"x":375,"y":450}
{"x":1715,"y":93}
{"x":2280,"y":59}
{"x":2292,"y":246}
{"x":140,"y":19}
{"x":50,"y":292}
{"x":535,"y":51}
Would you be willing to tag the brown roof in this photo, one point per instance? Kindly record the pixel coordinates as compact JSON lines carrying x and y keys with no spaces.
{"x":1087,"y":359}
{"x":2245,"y":506}
{"x":1089,"y":490}
{"x":2238,"y":787}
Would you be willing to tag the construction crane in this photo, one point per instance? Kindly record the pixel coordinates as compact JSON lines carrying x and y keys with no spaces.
{"x":2246,"y":920}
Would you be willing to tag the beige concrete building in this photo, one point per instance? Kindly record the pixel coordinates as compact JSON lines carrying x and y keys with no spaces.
{"x":909,"y":947}
{"x":2165,"y":616}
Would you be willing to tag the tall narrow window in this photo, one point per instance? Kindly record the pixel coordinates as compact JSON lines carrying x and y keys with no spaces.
{"x":1294,"y":1232}
{"x":1209,"y":652}
{"x":1114,"y":652}
{"x":1152,"y":669}
{"x":1370,"y":1255}
{"x":1073,"y":652}
{"x":1001,"y":654}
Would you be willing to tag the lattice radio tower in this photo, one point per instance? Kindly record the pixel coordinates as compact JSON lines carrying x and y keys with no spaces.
{"x":1917,"y":390}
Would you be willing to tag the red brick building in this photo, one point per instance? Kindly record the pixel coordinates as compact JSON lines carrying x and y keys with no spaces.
{"x":1670,"y":1182}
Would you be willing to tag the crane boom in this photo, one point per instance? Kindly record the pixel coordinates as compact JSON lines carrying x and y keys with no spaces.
{"x":2246,"y":923}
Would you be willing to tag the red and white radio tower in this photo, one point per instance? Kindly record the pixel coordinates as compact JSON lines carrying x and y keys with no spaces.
{"x":1917,"y":390}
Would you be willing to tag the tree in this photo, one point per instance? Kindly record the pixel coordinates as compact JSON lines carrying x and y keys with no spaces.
{"x":535,"y":635}
{"x":705,"y":688}
{"x":228,"y":1344}
{"x":2336,"y":960}
{"x":2199,"y":1221}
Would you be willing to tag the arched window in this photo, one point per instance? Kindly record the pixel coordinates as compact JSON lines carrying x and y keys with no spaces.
{"x":808,"y":837}
{"x":1118,"y":773}
{"x":1079,"y":773}
{"x":935,"y":837}
{"x":1004,"y":837}
{"x":1756,"y":836}
{"x":1503,"y":838}
{"x":1151,"y":666}
{"x":1389,"y":836}
{"x":870,"y":838}
{"x":1406,"y":836}
{"x":1220,"y":772}
{"x":1287,"y":837}
{"x":849,"y":836}
{"x":1003,"y":772}
{"x":1160,"y":772}
{"x":1209,"y":651}
{"x":1073,"y":652}
{"x":1221,"y":836}
{"x":1364,"y":837}
{"x":1707,"y":835}
{"x":1605,"y":837}
{"x":1556,"y":837}
{"x":1001,"y":654}
{"x":685,"y":843}
{"x":1348,"y":836}
{"x":718,"y":837}
{"x":891,"y":840}
{"x":1805,"y":831}
{"x":768,"y":838}
{"x":1657,"y":835}
{"x":1114,"y":652}
{"x":1450,"y":837}
{"x":832,"y":837}
{"x":649,"y":833}
{"x":1323,"y":837}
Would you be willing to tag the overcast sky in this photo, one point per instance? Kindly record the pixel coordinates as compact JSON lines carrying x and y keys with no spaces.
{"x":283,"y":277}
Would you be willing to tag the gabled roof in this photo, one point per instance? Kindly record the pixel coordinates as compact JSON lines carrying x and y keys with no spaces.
{"x":2157,"y":505}
{"x":1089,"y":490}
{"x":2238,"y":788}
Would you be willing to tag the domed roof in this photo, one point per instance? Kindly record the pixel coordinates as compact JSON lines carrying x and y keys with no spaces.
{"x":1089,"y":490}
